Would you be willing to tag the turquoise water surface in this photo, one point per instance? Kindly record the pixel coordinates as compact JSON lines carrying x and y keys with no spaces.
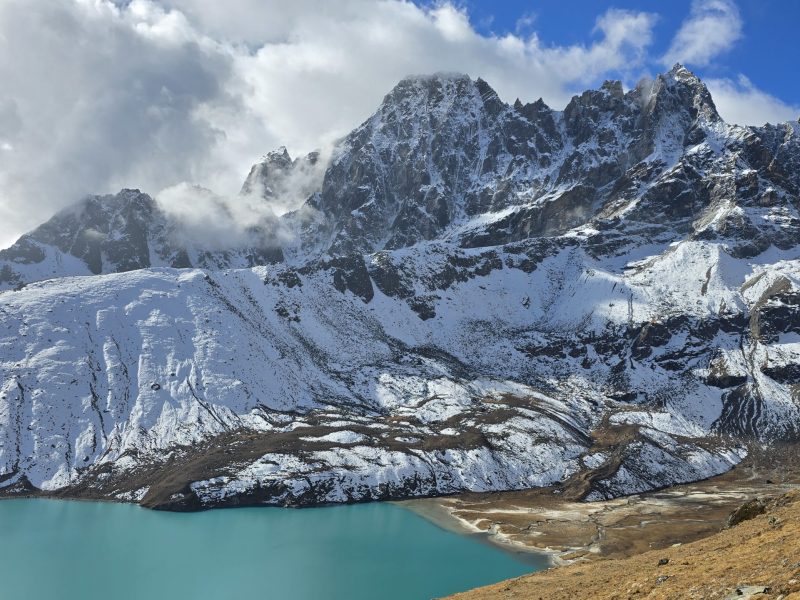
{"x":52,"y":549}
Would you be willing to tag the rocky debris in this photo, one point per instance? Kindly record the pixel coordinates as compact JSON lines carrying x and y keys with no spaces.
{"x":544,"y":520}
{"x":748,"y":591}
{"x":756,"y":507}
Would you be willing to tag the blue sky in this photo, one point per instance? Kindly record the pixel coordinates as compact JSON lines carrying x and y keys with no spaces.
{"x":767,"y":53}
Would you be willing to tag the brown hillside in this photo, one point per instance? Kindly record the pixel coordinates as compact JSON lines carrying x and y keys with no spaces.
{"x":758,"y":558}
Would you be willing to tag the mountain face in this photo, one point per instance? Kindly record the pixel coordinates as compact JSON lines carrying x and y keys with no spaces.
{"x":114,"y":234}
{"x":478,"y":296}
{"x":446,"y":158}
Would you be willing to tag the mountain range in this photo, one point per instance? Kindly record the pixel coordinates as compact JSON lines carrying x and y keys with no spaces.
{"x":473,"y":295}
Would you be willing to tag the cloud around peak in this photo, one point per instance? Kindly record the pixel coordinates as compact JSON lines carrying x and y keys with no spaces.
{"x":99,"y":94}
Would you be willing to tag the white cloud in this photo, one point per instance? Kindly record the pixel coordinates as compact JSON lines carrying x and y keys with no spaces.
{"x":525,"y":23}
{"x":150,"y":93}
{"x":328,"y":77}
{"x":713,"y":27}
{"x":218,"y":222}
{"x":742,"y":103}
{"x":96,"y":97}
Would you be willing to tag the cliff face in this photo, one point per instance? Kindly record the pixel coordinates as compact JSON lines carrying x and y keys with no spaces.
{"x":476,"y":296}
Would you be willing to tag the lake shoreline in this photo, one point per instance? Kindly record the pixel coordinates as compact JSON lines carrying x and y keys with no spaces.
{"x":538,"y":521}
{"x":538,"y":524}
{"x":437,"y":511}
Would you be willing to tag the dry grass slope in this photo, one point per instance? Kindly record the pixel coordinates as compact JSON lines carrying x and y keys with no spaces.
{"x":758,"y":558}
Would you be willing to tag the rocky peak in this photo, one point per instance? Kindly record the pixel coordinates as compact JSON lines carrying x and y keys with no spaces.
{"x":276,"y":164}
{"x":542,"y":115}
{"x":588,"y":111}
{"x":284,"y":182}
{"x":491,"y":101}
{"x":401,"y":176}
{"x":679,"y":91}
{"x":679,"y":74}
{"x":115,"y":233}
{"x":279,"y":156}
{"x":613,"y":87}
{"x":444,"y":149}
{"x":436,"y":87}
{"x":111,"y":229}
{"x":444,"y":158}
{"x":438,"y":98}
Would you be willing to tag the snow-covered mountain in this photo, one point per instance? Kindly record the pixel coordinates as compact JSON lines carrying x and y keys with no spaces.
{"x":477,"y":296}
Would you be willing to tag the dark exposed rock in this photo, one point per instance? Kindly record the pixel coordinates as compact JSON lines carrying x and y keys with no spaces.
{"x":423,"y":306}
{"x":9,"y":279}
{"x":290,"y":278}
{"x":725,"y":380}
{"x":279,"y":178}
{"x":350,"y":273}
{"x":748,"y":510}
{"x":650,"y":335}
{"x":787,"y":374}
{"x":389,"y":278}
{"x":25,"y":251}
{"x":109,"y":228}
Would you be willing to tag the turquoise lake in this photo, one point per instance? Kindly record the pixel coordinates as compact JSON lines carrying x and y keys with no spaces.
{"x":51,"y":549}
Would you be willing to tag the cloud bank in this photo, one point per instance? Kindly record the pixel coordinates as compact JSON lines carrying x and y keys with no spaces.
{"x":739,"y":101}
{"x":100,"y":95}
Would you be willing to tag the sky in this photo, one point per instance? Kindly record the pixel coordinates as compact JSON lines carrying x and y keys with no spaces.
{"x":98,"y":95}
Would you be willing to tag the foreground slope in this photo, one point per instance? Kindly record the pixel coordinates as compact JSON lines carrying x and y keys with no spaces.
{"x":479,"y":296}
{"x":756,"y":558}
